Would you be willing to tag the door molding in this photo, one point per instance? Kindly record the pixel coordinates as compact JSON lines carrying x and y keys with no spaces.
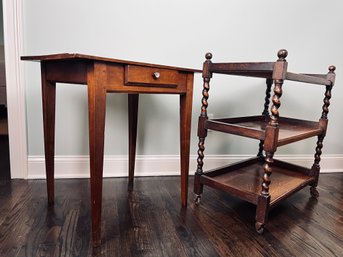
{"x":15,"y":87}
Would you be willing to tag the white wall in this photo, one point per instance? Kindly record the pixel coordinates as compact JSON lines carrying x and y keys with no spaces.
{"x":179,"y":33}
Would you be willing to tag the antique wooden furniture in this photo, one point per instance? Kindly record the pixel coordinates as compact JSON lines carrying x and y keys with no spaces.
{"x":263,"y":180}
{"x":103,"y":75}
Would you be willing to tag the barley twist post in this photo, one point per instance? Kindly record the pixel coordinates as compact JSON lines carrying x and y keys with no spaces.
{"x":323,"y":120}
{"x":202,"y":131}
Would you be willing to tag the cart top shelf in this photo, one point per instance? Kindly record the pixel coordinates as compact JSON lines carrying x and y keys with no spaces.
{"x":268,"y":70}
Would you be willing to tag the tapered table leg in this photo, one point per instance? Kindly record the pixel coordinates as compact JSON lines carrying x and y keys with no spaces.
{"x":185,"y":132}
{"x":49,"y":106}
{"x":133,"y":115}
{"x":97,"y":109}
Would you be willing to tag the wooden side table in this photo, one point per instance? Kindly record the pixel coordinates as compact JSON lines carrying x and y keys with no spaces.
{"x":103,"y":75}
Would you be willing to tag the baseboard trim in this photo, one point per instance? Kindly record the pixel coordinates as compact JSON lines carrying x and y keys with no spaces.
{"x":159,"y":165}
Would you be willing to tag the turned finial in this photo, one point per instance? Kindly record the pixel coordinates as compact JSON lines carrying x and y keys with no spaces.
{"x":332,"y":69}
{"x":282,"y":54}
{"x":208,"y":56}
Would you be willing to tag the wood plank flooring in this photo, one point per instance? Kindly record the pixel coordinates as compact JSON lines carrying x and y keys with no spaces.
{"x":149,"y":221}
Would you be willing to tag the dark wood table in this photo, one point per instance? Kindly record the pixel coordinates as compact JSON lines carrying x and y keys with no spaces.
{"x":105,"y":75}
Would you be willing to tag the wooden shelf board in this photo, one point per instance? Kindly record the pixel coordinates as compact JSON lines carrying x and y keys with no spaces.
{"x":249,"y":69}
{"x":244,"y":181}
{"x":290,"y":130}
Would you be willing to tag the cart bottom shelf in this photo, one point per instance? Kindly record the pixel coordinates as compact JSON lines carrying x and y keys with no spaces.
{"x":244,"y":179}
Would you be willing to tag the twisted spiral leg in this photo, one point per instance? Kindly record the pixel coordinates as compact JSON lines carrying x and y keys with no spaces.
{"x":201,"y":149}
{"x":267,"y":172}
{"x":316,"y":167}
{"x":276,"y":102}
{"x":202,"y":131}
{"x":260,"y":149}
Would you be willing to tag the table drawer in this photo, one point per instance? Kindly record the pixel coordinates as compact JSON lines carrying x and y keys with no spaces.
{"x":139,"y":75}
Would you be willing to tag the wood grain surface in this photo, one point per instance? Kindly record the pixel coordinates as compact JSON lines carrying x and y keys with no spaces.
{"x":148,"y":221}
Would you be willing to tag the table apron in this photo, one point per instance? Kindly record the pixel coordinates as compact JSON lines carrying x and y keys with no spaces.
{"x":77,"y":72}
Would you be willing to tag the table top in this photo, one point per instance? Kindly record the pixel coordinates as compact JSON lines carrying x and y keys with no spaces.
{"x":77,"y":56}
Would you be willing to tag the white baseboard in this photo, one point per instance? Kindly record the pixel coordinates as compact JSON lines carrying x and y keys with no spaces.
{"x":159,"y":165}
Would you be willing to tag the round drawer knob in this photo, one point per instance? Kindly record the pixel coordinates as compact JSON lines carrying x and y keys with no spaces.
{"x":156,"y":75}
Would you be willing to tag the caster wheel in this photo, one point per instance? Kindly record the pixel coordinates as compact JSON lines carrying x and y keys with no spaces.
{"x":314,"y":192}
{"x":259,"y":227}
{"x":197,"y":199}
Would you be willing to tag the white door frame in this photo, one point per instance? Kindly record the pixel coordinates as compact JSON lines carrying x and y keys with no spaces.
{"x":15,"y":87}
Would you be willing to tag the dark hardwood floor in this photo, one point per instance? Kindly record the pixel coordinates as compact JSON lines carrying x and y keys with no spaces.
{"x":149,"y":221}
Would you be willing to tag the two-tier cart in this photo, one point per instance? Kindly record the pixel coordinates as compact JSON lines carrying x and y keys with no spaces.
{"x":263,"y":180}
